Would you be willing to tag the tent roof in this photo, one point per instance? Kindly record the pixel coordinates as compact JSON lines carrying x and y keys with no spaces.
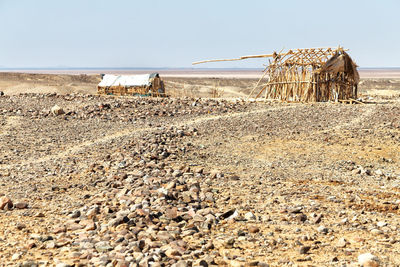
{"x":125,"y":80}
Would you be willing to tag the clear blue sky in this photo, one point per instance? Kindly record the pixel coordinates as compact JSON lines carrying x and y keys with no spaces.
{"x":150,"y":33}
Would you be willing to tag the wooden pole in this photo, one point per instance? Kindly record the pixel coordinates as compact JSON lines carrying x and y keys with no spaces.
{"x":232,"y":59}
{"x":249,"y":95}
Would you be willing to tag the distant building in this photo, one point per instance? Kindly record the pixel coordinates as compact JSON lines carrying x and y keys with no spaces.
{"x":135,"y":85}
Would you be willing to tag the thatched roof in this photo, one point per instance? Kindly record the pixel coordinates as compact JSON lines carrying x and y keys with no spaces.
{"x":341,"y":63}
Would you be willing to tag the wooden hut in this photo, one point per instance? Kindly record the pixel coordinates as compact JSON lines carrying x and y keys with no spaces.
{"x":134,"y":85}
{"x":307,"y":75}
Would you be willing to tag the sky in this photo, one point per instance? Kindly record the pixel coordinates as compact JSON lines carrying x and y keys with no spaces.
{"x":156,"y":34}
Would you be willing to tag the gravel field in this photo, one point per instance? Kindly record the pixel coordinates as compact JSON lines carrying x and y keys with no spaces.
{"x":122,"y":181}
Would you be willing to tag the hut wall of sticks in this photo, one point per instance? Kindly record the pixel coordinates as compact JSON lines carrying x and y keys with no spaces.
{"x":307,"y":75}
{"x":134,"y":85}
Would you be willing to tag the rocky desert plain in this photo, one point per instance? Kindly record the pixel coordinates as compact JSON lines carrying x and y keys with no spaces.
{"x":195,"y":180}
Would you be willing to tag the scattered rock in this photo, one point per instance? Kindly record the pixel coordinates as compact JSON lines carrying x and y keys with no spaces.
{"x":5,"y":203}
{"x":56,"y":110}
{"x":322,"y":229}
{"x":103,"y":246}
{"x":302,"y":217}
{"x":16,"y":256}
{"x":304,"y":249}
{"x":20,"y":226}
{"x":317,"y":219}
{"x":381,"y":224}
{"x":250,"y":216}
{"x":172,"y":253}
{"x":172,"y":213}
{"x":60,"y":229}
{"x":368,"y":260}
{"x":137,"y":196}
{"x":181,"y":263}
{"x":254,"y":229}
{"x":342,"y":242}
{"x":335,"y":259}
{"x":295,"y":210}
{"x":230,"y":214}
{"x":21,"y":205}
{"x":75,"y":214}
{"x":376,"y":231}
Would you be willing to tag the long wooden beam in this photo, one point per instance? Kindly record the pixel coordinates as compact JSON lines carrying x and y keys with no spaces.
{"x":232,"y":59}
{"x":290,"y":52}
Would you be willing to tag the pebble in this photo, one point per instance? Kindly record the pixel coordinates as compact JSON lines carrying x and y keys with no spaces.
{"x":342,"y":242}
{"x":317,"y":219}
{"x":75,"y":214}
{"x":376,"y":231}
{"x":322,"y":229}
{"x":172,"y":253}
{"x":172,"y":213}
{"x":21,"y":205}
{"x":381,"y":224}
{"x":181,"y":263}
{"x":302,"y":217}
{"x":20,"y":226}
{"x":50,"y":244}
{"x":295,"y":210}
{"x":56,"y":110}
{"x":304,"y":249}
{"x":30,"y":263}
{"x":60,"y":229}
{"x":200,"y":262}
{"x":254,"y":229}
{"x":230,"y":214}
{"x":335,"y":259}
{"x":103,"y":246}
{"x":16,"y":256}
{"x":250,"y":216}
{"x":368,"y":260}
{"x":5,"y":203}
{"x":93,"y":212}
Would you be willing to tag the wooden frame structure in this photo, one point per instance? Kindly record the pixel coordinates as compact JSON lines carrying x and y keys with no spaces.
{"x":307,"y":75}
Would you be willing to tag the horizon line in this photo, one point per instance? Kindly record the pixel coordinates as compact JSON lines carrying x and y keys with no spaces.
{"x":155,"y":68}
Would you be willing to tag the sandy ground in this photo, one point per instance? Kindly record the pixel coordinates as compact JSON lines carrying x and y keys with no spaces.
{"x":179,"y":83}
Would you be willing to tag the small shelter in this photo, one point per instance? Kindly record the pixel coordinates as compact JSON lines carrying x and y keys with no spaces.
{"x":307,"y":75}
{"x":135,"y":85}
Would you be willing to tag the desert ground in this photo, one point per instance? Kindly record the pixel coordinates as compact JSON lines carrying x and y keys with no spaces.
{"x":202,"y":178}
